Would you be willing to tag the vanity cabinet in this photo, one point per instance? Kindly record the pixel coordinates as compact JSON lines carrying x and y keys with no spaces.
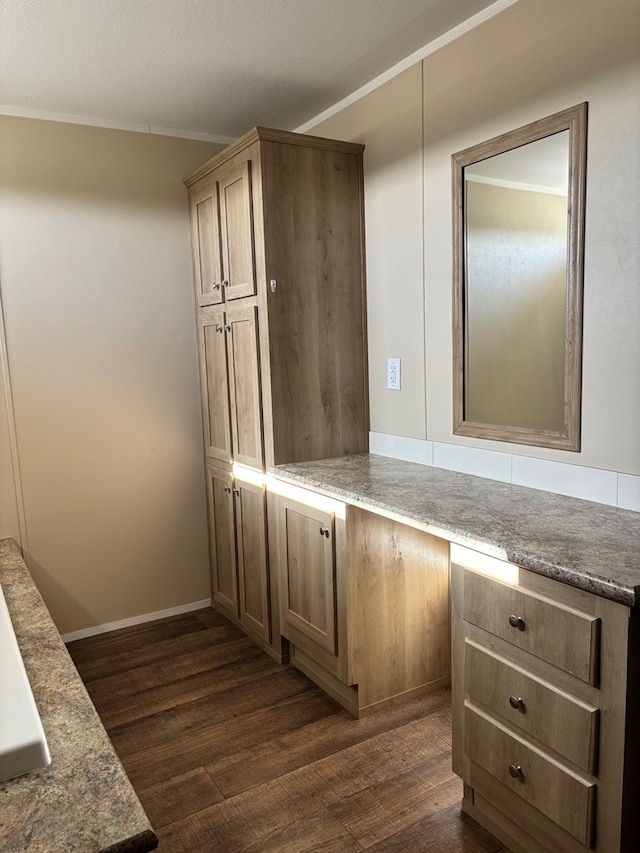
{"x":278,"y":259}
{"x":364,"y":600}
{"x":543,"y":689}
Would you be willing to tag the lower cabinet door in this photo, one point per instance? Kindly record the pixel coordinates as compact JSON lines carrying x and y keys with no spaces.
{"x":224,"y":574}
{"x":308,"y":596}
{"x":251,"y":528}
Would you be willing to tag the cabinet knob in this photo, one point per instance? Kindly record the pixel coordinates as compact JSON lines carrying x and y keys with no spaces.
{"x":515,"y":770}
{"x":219,"y":328}
{"x":215,"y":285}
{"x":517,"y":703}
{"x":227,"y":327}
{"x":225,"y":283}
{"x":516,"y":622}
{"x":324,"y":532}
{"x":236,"y":492}
{"x":227,"y":489}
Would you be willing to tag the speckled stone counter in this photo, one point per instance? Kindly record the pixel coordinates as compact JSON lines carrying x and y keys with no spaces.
{"x":83,"y":802}
{"x":587,"y":545}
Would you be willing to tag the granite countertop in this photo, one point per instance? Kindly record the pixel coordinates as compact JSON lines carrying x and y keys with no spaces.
{"x":587,"y":545}
{"x":83,"y":801}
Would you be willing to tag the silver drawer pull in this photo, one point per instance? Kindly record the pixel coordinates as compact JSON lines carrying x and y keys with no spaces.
{"x":515,"y":770}
{"x":324,"y":532}
{"x":516,"y":622}
{"x":517,"y":703}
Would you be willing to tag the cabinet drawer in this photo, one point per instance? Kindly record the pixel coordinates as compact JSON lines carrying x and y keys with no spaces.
{"x":558,"y":634}
{"x":559,"y":794}
{"x":559,"y":721}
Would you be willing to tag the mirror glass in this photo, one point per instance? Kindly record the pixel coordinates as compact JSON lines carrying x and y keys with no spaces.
{"x":518,"y":224}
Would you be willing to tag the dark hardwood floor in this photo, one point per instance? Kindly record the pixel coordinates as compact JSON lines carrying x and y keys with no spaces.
{"x":230,"y":752}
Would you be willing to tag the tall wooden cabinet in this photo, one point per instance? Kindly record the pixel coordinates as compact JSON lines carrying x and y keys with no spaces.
{"x":278,"y":257}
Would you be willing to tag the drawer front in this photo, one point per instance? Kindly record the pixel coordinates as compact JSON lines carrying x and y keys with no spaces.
{"x":560,"y":795}
{"x":564,"y":637}
{"x":559,"y":721}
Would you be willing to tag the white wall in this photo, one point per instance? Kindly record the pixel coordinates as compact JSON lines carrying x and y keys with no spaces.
{"x":95,"y":276}
{"x":535,"y":58}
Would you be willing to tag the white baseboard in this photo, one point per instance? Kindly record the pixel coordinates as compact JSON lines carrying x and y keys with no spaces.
{"x":135,"y":620}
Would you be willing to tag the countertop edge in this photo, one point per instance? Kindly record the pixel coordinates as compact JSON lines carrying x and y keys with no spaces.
{"x":592,"y":582}
{"x":46,"y":809}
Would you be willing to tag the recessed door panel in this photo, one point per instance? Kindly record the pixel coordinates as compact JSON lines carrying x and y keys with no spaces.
{"x":252,"y":557}
{"x":224,"y":576}
{"x":309,"y":594}
{"x":244,"y":380}
{"x":215,"y":386}
{"x":236,"y":213}
{"x":206,"y":244}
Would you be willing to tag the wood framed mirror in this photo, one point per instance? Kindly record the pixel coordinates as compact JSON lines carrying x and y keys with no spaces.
{"x":518,"y":235}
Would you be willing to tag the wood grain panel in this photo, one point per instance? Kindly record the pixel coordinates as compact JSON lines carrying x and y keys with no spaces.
{"x":308,"y":590}
{"x":398,"y":580}
{"x":564,"y":637}
{"x":215,"y":386}
{"x":562,"y":796}
{"x":314,"y":251}
{"x":205,"y":239}
{"x":553,"y":717}
{"x":253,"y":567}
{"x":267,"y":133}
{"x":244,"y":383}
{"x":236,"y":215}
{"x":222,"y":537}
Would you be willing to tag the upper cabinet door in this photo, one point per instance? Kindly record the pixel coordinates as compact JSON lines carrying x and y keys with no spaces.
{"x":207,"y":256}
{"x":236,"y":217}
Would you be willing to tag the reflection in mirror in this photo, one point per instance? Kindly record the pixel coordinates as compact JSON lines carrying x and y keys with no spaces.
{"x":518,"y":225}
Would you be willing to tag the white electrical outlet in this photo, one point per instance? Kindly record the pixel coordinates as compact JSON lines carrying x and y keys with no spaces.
{"x":393,"y":374}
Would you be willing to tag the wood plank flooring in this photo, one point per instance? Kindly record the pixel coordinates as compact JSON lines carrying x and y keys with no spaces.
{"x":228,"y":751}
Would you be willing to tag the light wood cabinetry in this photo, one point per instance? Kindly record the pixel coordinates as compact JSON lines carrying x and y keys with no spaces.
{"x":222,"y":236}
{"x":238,"y":548}
{"x":230,"y":376}
{"x":544,"y":685}
{"x":230,"y":379}
{"x":363,"y":600}
{"x":277,"y":235}
{"x":222,"y":539}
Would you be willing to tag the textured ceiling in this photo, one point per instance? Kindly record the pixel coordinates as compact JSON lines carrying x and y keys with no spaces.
{"x":208,"y":66}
